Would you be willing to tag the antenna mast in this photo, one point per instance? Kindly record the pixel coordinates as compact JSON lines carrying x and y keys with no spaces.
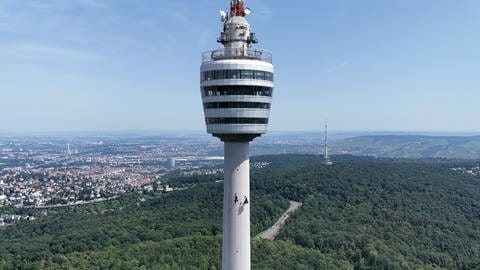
{"x":326,"y":140}
{"x":237,"y":8}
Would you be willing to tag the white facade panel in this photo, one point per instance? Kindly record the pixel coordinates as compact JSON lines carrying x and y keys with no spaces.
{"x":237,"y":128}
{"x":237,"y":64}
{"x":237,"y":82}
{"x":237,"y":112}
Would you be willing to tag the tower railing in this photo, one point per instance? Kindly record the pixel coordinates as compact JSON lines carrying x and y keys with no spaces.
{"x":226,"y":54}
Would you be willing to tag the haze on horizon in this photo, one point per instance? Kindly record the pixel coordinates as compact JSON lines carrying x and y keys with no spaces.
{"x":75,"y":65}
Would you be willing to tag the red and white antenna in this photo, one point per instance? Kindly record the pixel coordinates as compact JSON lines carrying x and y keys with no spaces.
{"x":237,"y":8}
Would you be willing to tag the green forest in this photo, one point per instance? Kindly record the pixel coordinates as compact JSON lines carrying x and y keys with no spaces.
{"x":360,"y":213}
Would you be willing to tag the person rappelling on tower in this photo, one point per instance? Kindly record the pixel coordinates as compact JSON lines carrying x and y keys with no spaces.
{"x":245,"y":201}
{"x":235,"y":200}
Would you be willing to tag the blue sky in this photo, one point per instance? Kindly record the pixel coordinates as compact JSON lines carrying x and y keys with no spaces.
{"x":74,"y":65}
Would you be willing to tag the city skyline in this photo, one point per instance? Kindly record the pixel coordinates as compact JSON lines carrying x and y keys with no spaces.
{"x":116,"y":65}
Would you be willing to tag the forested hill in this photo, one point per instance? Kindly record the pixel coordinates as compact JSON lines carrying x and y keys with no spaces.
{"x":388,"y":214}
{"x":411,"y":146}
{"x":360,"y":213}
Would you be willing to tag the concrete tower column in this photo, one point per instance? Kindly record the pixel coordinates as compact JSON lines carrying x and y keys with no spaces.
{"x":236,"y":207}
{"x":236,"y":85}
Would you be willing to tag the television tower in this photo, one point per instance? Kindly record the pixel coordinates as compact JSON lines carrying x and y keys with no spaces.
{"x":236,"y":87}
{"x":327,"y":160}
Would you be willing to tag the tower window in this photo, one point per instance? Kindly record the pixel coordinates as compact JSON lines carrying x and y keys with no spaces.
{"x":243,"y":105}
{"x":236,"y":120}
{"x":237,"y":90}
{"x":237,"y":74}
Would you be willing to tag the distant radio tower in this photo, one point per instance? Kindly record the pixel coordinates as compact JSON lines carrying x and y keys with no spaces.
{"x":327,"y":160}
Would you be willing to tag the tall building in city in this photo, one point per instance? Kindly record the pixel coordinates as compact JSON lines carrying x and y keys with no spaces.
{"x":171,"y":163}
{"x":236,"y":88}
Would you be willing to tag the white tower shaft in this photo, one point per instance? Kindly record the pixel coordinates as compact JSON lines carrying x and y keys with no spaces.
{"x":236,"y":207}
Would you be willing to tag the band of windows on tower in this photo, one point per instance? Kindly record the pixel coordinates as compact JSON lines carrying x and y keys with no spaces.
{"x":237,"y":74}
{"x":242,"y":105}
{"x":236,"y":120}
{"x":237,"y":90}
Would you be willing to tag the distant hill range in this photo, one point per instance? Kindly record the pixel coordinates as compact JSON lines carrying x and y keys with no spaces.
{"x":410,"y":146}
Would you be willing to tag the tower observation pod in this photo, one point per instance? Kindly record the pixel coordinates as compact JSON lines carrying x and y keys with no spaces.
{"x":236,"y":88}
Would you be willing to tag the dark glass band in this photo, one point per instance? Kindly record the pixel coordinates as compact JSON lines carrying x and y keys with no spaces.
{"x":242,"y":105}
{"x":236,"y":120}
{"x":241,"y":90}
{"x":237,"y":74}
